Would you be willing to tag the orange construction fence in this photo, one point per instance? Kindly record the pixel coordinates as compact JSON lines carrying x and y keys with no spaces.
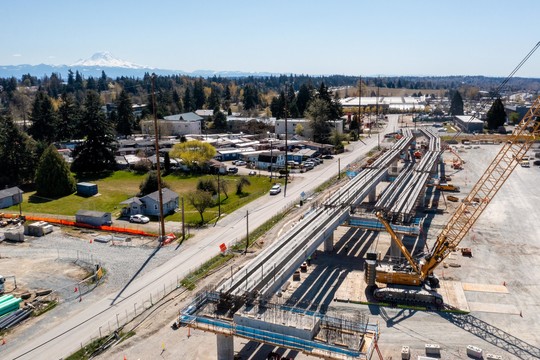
{"x":78,"y":224}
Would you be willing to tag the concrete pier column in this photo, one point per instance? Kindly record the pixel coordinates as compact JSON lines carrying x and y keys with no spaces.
{"x":225,"y":347}
{"x":329,"y":243}
{"x":372,"y":197}
{"x":394,"y":168}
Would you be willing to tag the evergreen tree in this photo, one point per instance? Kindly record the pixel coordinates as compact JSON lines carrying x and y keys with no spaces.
{"x":53,"y":178}
{"x":44,"y":119}
{"x":79,"y":84}
{"x":189,"y":104}
{"x":126,"y":119}
{"x":198,"y":94}
{"x":68,"y":118}
{"x":277,"y":106}
{"x":219,"y":119}
{"x":167,"y":162}
{"x":291,"y":107}
{"x":17,"y":151}
{"x":335,"y":108}
{"x":70,"y":82}
{"x":96,"y":153}
{"x":456,"y":105}
{"x":496,"y":115}
{"x":319,"y":113}
{"x":178,"y":102}
{"x":227,"y":95}
{"x":214,"y":100}
{"x":303,"y":98}
{"x":102,"y":82}
{"x":91,"y":84}
{"x":150,"y":184}
{"x":251,"y":97}
{"x":54,"y":85}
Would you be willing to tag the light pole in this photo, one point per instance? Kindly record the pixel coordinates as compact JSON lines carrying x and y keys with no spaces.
{"x":158,"y":169}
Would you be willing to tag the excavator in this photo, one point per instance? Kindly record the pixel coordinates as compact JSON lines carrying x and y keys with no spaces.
{"x":415,"y":281}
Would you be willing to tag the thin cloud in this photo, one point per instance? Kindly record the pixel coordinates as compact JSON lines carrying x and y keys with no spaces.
{"x":17,"y":55}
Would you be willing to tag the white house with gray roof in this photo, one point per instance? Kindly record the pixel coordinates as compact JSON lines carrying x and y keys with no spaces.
{"x":149,"y":204}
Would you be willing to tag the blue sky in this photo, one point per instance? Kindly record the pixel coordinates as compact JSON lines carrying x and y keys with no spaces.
{"x":353,"y":37}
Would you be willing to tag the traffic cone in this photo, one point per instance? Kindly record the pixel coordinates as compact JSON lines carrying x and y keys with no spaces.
{"x":76,"y":289}
{"x":125,"y":358}
{"x":3,"y":341}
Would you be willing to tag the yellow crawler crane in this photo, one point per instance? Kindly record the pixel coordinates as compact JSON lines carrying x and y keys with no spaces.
{"x":420,"y":272}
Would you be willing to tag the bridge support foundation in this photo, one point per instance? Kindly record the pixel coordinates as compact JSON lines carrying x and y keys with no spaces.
{"x":225,"y":347}
{"x":329,"y":243}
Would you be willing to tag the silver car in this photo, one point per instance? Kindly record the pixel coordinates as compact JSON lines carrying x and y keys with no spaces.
{"x":139,"y":218}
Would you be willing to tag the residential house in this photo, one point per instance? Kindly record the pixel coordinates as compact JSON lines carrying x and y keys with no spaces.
{"x":149,"y":204}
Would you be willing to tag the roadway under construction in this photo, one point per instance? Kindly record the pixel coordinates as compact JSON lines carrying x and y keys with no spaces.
{"x":242,"y":305}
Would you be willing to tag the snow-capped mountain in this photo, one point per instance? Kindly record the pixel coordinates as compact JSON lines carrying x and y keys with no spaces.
{"x":106,"y":59}
{"x":105,"y":62}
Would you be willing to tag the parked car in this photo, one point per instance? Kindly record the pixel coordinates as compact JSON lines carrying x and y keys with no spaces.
{"x":252,"y":173}
{"x":139,"y":218}
{"x":329,"y":157}
{"x":232,"y":170}
{"x":240,"y":163}
{"x":276,"y":189}
{"x":309,"y":164}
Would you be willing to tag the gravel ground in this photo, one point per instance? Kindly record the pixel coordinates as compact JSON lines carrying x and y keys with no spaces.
{"x":59,"y":260}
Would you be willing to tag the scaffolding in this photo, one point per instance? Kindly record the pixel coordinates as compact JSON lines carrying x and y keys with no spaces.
{"x":323,"y":335}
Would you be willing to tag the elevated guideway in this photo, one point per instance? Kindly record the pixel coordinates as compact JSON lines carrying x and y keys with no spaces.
{"x":401,"y":198}
{"x":266,"y":274}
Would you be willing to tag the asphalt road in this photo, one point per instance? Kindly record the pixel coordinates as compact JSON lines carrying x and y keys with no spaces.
{"x":67,"y":337}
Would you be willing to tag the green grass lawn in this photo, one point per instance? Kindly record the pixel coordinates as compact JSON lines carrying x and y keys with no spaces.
{"x":122,"y":185}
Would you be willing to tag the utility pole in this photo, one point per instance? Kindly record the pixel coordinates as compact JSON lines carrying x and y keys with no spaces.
{"x":359,"y":122}
{"x":20,"y":203}
{"x":377,"y":105}
{"x":158,"y":168}
{"x":183,"y":222}
{"x":271,"y":159}
{"x":218,"y":195}
{"x":286,"y":146}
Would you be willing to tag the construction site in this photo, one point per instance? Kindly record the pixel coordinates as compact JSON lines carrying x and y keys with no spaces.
{"x":405,"y":259}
